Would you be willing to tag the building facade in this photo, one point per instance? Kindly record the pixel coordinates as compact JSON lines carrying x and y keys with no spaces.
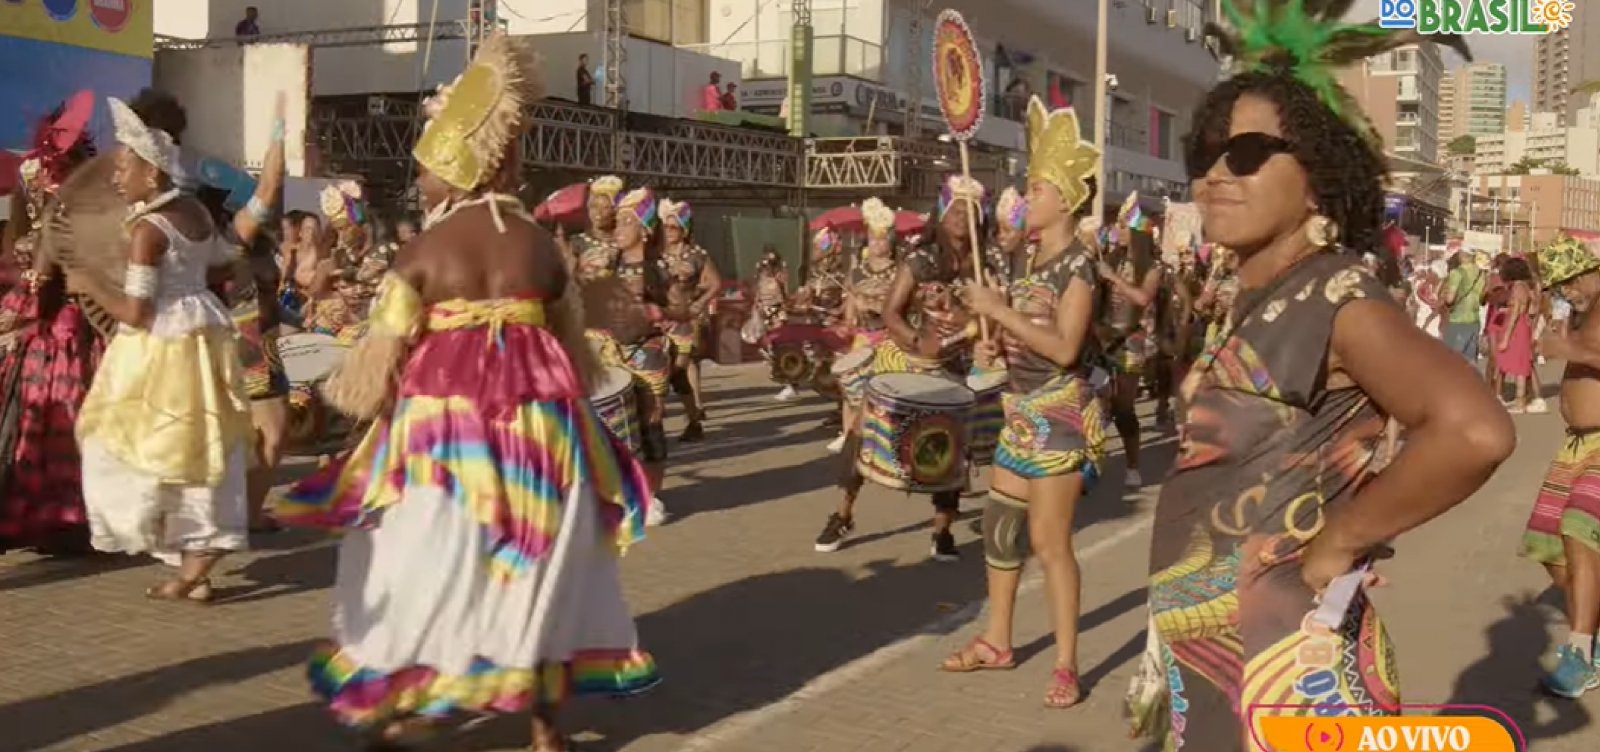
{"x":1517,"y":117}
{"x":1543,"y":204}
{"x":1565,"y":60}
{"x":870,"y":59}
{"x":1399,"y":90}
{"x":1546,"y":141}
{"x":1472,"y":101}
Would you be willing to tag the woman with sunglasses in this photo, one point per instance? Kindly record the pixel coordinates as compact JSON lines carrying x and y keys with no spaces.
{"x":1053,"y":440}
{"x":1277,"y":489}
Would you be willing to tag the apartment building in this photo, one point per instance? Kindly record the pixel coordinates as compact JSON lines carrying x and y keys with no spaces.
{"x":1546,"y":140}
{"x":1472,"y":101}
{"x":1517,"y":116}
{"x":1565,"y":60}
{"x":1399,"y":90}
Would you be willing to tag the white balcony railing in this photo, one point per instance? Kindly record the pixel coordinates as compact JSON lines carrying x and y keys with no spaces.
{"x":833,"y":55}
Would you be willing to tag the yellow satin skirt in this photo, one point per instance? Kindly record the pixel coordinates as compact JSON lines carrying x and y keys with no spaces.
{"x":170,"y":407}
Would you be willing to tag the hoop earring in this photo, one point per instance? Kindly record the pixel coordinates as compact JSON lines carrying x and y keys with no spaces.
{"x":1321,"y":231}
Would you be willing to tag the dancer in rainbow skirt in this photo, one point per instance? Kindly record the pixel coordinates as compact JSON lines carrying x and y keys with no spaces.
{"x":487,"y":505}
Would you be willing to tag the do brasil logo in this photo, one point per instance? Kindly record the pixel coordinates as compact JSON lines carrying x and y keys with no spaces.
{"x":1476,"y":16}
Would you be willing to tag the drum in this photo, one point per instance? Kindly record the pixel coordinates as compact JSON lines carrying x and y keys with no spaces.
{"x":790,"y":364}
{"x":823,"y":381}
{"x":308,"y":360}
{"x":988,"y":415}
{"x":914,"y":432}
{"x":613,"y":399}
{"x":852,"y":370}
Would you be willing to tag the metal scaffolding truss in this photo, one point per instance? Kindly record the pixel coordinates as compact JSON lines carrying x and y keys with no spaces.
{"x":888,"y":164}
{"x":358,"y":36}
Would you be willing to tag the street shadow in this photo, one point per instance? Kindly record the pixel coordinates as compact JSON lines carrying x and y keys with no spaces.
{"x":1507,"y":677}
{"x":1105,"y":612}
{"x":298,"y":571}
{"x":750,"y":643}
{"x":85,"y":710}
{"x":696,"y":492}
{"x":52,"y":569}
{"x":304,"y":728}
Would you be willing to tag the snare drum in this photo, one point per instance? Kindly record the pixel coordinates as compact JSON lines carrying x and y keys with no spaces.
{"x":314,"y":427}
{"x":914,"y":432}
{"x":852,"y":371}
{"x":988,"y":415}
{"x":823,"y":380}
{"x":790,"y":364}
{"x":613,"y":399}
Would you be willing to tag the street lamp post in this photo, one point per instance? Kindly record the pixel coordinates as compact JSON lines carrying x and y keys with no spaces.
{"x":1100,"y":101}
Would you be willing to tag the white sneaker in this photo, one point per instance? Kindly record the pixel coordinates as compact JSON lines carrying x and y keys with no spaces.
{"x":655,"y":513}
{"x":1541,"y":360}
{"x":837,"y":445}
{"x":1537,"y":406}
{"x":1133,"y":479}
{"x":788,"y":394}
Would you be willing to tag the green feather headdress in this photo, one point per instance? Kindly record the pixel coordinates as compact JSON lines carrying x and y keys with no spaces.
{"x":1307,"y":39}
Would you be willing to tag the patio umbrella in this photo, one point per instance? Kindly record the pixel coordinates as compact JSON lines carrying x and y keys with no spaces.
{"x":567,"y":206}
{"x":848,"y":219}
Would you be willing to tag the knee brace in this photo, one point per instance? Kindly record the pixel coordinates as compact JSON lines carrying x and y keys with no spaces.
{"x":653,"y":440}
{"x":1005,"y":525}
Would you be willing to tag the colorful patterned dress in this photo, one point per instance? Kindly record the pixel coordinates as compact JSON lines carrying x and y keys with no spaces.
{"x":685,"y":267}
{"x":1054,"y":424}
{"x":1268,"y":441}
{"x":45,"y":370}
{"x":485,"y":514}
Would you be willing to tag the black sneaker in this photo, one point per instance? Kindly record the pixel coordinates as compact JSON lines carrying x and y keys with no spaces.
{"x":695,"y":432}
{"x":944,"y":547}
{"x":834,"y":533}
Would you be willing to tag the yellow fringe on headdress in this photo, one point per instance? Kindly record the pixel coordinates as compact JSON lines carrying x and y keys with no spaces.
{"x":878,"y":217}
{"x":364,"y":383}
{"x":476,"y":118}
{"x":1057,"y":153}
{"x":606,"y":185}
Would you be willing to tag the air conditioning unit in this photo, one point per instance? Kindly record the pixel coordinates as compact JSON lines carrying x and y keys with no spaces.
{"x":1151,"y":15}
{"x":1172,"y":18}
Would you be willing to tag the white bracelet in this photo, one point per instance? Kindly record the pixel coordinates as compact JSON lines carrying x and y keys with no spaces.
{"x":140,"y":282}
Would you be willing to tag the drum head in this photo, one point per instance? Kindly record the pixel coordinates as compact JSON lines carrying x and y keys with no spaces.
{"x":613,"y":382}
{"x":918,"y":388}
{"x":790,"y":364}
{"x":309,"y":358}
{"x":988,"y":381}
{"x":852,"y":360}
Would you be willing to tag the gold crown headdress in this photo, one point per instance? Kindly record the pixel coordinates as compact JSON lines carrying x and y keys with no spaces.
{"x":474,"y":120}
{"x":609,"y":186}
{"x":1307,"y":39}
{"x":877,"y":216}
{"x":1564,"y":259}
{"x":1057,"y":153}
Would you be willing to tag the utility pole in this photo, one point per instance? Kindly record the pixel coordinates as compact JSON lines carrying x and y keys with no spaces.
{"x":1100,"y":102}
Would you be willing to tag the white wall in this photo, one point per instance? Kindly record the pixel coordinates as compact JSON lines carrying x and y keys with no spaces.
{"x":552,"y":16}
{"x":189,"y":19}
{"x":223,"y":121}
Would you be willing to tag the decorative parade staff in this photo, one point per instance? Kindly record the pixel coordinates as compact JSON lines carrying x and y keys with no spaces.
{"x":1053,"y":441}
{"x":963,"y":92}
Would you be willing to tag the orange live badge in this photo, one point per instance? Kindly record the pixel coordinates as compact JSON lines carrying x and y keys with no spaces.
{"x":1407,"y":728}
{"x":958,"y":75}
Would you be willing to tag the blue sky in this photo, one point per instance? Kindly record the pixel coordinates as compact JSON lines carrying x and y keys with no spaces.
{"x":1516,"y":52}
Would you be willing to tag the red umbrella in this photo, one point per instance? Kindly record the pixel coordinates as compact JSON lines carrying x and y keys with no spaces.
{"x":568,"y":206}
{"x":848,"y":219}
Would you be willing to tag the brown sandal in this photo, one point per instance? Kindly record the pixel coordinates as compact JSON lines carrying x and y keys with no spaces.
{"x":971,"y":658}
{"x":1064,"y":691}
{"x":189,"y":591}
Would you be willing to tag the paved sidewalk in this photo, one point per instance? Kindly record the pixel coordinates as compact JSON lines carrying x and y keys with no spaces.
{"x":765,"y":644}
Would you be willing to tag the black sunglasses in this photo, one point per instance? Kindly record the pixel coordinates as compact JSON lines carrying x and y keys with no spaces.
{"x":1244,"y":154}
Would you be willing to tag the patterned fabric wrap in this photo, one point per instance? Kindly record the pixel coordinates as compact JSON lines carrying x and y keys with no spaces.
{"x":685,"y":336}
{"x":1265,"y":449}
{"x":361,"y":697}
{"x":1568,"y":506}
{"x":45,"y":372}
{"x":853,"y":384}
{"x":264,"y":377}
{"x":489,"y":408}
{"x":1056,"y":429}
{"x":650,"y":361}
